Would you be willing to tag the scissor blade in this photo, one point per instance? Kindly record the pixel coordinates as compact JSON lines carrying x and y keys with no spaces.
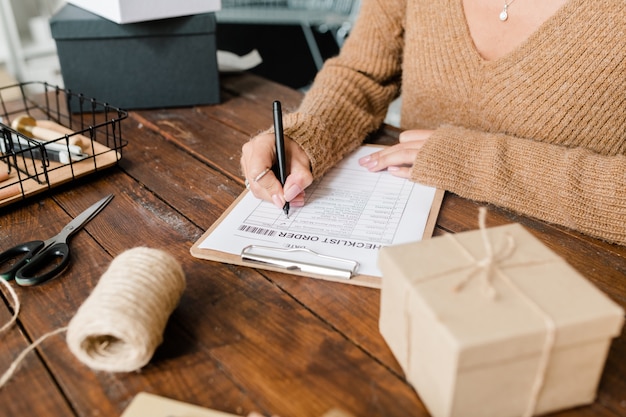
{"x":84,"y":217}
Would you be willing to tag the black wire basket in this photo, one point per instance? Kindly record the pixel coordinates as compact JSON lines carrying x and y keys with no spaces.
{"x":50,"y":136}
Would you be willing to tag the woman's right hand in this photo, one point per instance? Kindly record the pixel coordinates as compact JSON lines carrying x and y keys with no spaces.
{"x":258,"y":156}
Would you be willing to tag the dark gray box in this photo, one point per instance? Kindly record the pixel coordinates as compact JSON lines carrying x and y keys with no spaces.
{"x":160,"y":63}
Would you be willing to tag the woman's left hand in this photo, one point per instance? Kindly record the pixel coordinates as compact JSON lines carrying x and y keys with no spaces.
{"x":398,"y":159}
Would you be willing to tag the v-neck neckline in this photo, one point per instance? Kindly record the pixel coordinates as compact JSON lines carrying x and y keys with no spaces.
{"x":527,"y":43}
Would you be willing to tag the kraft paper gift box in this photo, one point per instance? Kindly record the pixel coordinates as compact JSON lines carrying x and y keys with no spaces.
{"x":519,"y":334}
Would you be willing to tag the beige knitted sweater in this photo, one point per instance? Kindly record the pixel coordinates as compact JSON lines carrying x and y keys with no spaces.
{"x":541,"y":131}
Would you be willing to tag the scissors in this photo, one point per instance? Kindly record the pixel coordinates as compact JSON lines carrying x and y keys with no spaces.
{"x":37,"y":261}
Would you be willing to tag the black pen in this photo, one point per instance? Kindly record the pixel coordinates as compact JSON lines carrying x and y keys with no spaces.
{"x":280,"y":148}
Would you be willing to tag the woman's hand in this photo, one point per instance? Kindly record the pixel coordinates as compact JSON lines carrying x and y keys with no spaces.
{"x":258,"y":156}
{"x":398,"y":159}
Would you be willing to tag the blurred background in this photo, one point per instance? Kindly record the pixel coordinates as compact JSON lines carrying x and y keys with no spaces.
{"x":293,"y":38}
{"x":27,"y":50}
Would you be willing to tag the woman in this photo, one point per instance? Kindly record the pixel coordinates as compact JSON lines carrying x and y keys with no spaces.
{"x":521,"y":104}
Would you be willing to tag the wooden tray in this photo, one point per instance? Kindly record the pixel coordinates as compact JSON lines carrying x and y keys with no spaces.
{"x":97,"y":125}
{"x":20,"y":185}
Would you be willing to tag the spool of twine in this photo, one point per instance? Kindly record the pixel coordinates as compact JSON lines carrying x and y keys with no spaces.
{"x":121,"y":323}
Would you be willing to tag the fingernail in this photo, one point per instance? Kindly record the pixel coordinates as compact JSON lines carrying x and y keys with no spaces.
{"x":393,"y":168}
{"x":292,"y":192}
{"x":297,"y":202}
{"x":371,"y":164}
{"x":278,"y":202}
{"x":365,"y":160}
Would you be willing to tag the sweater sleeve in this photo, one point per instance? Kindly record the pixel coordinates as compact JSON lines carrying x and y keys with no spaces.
{"x":573,"y":187}
{"x":350,"y":95}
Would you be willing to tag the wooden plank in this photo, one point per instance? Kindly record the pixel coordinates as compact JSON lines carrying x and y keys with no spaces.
{"x":144,"y":167}
{"x":32,"y":374}
{"x":221,"y":309}
{"x":338,"y":305}
{"x":189,"y":185}
{"x":336,"y":302}
{"x":215,"y":134}
{"x":52,"y":305}
{"x":240,"y":340}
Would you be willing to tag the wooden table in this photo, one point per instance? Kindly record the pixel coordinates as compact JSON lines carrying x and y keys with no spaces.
{"x":241,"y":339}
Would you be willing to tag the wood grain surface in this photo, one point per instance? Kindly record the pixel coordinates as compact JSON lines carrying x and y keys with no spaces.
{"x":241,"y":339}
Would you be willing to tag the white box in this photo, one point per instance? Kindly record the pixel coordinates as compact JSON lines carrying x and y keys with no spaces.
{"x":469,"y":354}
{"x":131,"y":11}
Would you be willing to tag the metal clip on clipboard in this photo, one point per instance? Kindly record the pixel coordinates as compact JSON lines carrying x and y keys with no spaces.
{"x":300,"y":259}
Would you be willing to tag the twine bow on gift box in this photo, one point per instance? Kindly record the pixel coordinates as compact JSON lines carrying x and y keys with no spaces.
{"x":491,"y":268}
{"x":491,"y":265}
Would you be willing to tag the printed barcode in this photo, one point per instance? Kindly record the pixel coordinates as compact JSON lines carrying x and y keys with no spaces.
{"x":257,"y":230}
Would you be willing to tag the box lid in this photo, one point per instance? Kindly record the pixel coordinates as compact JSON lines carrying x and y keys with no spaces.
{"x":72,"y":22}
{"x":131,"y":11}
{"x":531,"y":284}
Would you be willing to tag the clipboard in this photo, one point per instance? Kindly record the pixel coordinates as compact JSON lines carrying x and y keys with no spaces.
{"x":307,"y":263}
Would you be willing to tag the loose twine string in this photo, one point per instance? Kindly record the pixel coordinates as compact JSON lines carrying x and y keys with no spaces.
{"x":491,"y":267}
{"x":16,"y":305}
{"x":121,"y":323}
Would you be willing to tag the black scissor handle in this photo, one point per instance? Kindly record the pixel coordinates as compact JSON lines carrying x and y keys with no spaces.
{"x":20,"y":254}
{"x":29,"y":273}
